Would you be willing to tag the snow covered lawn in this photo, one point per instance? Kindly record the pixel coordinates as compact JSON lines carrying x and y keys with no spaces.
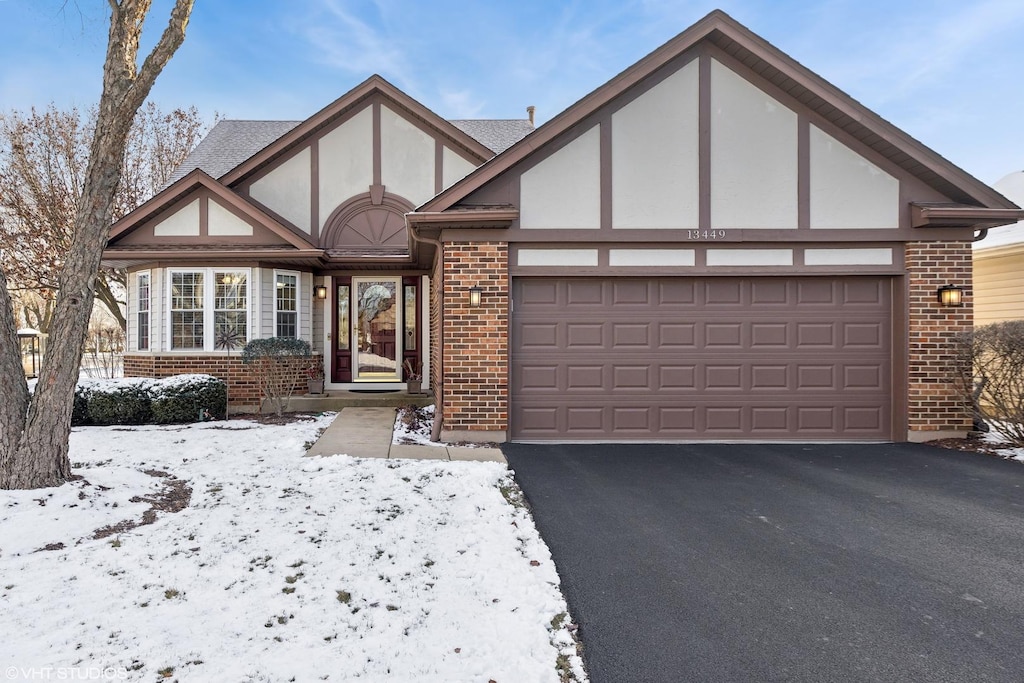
{"x":277,"y":567}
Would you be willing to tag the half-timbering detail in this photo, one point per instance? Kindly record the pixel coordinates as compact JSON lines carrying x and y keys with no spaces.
{"x":716,"y":244}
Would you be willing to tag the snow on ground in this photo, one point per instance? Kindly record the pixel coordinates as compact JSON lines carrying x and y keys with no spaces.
{"x":413,"y":426}
{"x":1004,"y":445}
{"x":280,"y":568}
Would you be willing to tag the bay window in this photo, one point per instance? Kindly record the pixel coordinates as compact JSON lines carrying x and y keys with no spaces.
{"x":203,"y":318}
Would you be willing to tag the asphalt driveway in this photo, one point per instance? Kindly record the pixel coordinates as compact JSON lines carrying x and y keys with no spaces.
{"x":785,"y":562}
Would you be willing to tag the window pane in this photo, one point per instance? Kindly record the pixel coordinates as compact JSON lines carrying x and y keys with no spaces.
{"x":287,"y":292}
{"x":410,"y":318}
{"x":186,"y":291}
{"x":142,"y":292}
{"x":230,"y":309}
{"x":286,"y":305}
{"x":343,"y":332}
{"x":187,"y":310}
{"x":229,"y":328}
{"x":286,"y":324}
{"x":230,"y":292}
{"x":143,"y":344}
{"x":186,"y":329}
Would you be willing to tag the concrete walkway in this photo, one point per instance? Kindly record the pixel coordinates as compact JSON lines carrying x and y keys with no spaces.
{"x":366,"y":433}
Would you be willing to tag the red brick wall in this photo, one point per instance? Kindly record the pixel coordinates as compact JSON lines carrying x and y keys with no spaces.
{"x":243,"y":389}
{"x":475,"y":340}
{"x":933,"y":400}
{"x":435,"y":327}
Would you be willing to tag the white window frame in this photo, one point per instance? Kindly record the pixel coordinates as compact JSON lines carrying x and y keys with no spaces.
{"x":209,"y":290}
{"x":298,"y":301}
{"x":149,"y":311}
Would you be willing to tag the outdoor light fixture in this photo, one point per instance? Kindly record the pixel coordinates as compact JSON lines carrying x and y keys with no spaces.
{"x":320,"y":292}
{"x":474,"y":296}
{"x":951,"y":295}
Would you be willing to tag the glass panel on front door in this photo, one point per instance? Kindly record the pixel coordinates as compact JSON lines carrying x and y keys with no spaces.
{"x":376,"y":320}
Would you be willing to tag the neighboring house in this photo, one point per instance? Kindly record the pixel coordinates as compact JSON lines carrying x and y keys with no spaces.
{"x":716,"y":244}
{"x":999,"y":264}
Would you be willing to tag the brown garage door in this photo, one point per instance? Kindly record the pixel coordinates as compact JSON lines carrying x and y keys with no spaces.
{"x":770,"y":358}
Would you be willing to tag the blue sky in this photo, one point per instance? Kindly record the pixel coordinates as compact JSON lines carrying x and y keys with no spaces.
{"x":949,"y":72}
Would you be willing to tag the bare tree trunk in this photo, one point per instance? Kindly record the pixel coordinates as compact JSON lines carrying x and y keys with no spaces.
{"x":40,"y":456}
{"x":15,"y":401}
{"x":106,"y":296}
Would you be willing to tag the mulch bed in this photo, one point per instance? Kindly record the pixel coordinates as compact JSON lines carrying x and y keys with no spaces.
{"x":973,"y":444}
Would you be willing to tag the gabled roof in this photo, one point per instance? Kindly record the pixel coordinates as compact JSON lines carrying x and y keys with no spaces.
{"x":373,"y":85}
{"x":496,"y":134}
{"x":196,"y":179}
{"x":808,"y":88}
{"x":228,"y":144}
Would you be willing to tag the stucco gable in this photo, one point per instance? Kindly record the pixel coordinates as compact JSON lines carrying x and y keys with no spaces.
{"x":719,"y":35}
{"x":196,"y":211}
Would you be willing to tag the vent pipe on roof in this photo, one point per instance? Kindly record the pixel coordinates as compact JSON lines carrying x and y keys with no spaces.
{"x":529,"y":112}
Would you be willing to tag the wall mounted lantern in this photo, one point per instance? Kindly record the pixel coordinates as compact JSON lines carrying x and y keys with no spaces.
{"x":320,"y":292}
{"x":951,"y":295}
{"x":475,"y":294}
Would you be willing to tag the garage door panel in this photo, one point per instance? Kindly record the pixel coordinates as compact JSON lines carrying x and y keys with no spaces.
{"x":727,"y":358}
{"x":631,"y":335}
{"x":584,"y":336}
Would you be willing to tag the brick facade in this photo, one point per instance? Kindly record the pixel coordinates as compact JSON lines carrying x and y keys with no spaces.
{"x":935,"y":407}
{"x":475,"y":341}
{"x":243,"y":390}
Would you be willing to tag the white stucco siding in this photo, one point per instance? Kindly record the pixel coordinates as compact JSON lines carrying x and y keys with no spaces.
{"x":847,"y":190}
{"x":346,"y":162}
{"x":406,"y":158}
{"x":287,"y":189}
{"x":224,"y":223}
{"x":564,"y":190}
{"x":651,"y":257}
{"x":453,"y":167}
{"x":655,"y":157}
{"x":557,"y":257}
{"x":753,"y":155}
{"x":848,"y":257}
{"x":749,"y":257}
{"x":182,"y":223}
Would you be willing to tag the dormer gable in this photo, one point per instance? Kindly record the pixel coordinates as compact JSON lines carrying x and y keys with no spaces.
{"x":198,"y":211}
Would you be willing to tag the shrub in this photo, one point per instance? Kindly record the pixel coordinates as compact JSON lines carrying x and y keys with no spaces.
{"x":990,"y":365}
{"x":121,"y":402}
{"x":80,"y":407}
{"x":188,"y":398}
{"x":278,"y":363}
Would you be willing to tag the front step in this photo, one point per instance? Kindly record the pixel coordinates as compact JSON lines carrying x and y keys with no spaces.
{"x":336,"y":400}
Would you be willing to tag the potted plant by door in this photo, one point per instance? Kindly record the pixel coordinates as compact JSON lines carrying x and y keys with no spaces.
{"x":413,"y":379}
{"x":315,"y":375}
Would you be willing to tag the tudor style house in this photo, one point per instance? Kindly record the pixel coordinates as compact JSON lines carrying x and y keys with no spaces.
{"x":716,"y":244}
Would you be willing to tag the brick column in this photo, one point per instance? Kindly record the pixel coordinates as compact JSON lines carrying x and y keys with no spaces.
{"x":474,"y":342}
{"x":936,"y":408}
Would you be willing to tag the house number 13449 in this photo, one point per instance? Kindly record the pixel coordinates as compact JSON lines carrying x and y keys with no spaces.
{"x":705,"y":234}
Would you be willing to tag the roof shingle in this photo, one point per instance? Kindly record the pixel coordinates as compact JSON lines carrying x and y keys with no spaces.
{"x":231,"y":142}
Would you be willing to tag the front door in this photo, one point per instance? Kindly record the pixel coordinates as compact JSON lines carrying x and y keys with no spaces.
{"x":376,"y":317}
{"x":376,"y":329}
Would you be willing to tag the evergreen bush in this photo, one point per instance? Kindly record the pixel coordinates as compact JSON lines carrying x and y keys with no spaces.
{"x":120,"y":402}
{"x":188,"y":398}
